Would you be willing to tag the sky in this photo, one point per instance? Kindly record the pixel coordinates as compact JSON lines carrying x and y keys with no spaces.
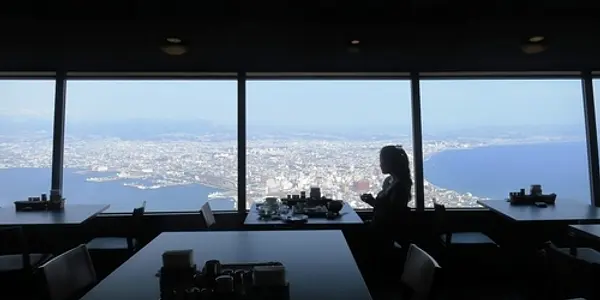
{"x":446,"y":104}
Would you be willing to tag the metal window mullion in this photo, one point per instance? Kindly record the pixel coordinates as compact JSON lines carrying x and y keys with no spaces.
{"x":58,"y":139}
{"x":591,"y":136}
{"x":417,"y":136}
{"x":241,"y":135}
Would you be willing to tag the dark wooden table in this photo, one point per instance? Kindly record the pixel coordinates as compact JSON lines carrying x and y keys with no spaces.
{"x":348,"y":217}
{"x":72,"y":214}
{"x":561,"y":211}
{"x":319,"y":264}
{"x":588,"y":230}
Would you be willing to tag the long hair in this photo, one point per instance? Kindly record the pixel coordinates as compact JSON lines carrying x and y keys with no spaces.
{"x":399,"y":164}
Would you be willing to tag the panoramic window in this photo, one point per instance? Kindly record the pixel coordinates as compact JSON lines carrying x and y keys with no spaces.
{"x":485,"y":138}
{"x":172,"y":144}
{"x":26,"y":118}
{"x":325,"y":134}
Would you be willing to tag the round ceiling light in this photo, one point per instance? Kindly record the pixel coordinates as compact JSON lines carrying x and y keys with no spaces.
{"x":174,"y":40}
{"x":355,"y":42}
{"x":536,"y":39}
{"x":533,"y":49}
{"x":174,"y":46}
{"x":534,"y":45}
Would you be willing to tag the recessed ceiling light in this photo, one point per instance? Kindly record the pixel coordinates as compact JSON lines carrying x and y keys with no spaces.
{"x":175,"y":49}
{"x":174,"y":40}
{"x":536,"y":39}
{"x":355,"y":42}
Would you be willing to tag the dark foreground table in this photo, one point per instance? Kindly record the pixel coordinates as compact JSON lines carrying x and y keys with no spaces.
{"x":591,"y":231}
{"x":73,"y":214}
{"x":565,"y":211}
{"x":319,"y":263}
{"x":348,"y":217}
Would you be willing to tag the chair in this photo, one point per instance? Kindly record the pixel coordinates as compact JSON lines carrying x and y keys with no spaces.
{"x":449,"y":238}
{"x":69,"y":275}
{"x":568,"y":275}
{"x":472,"y":253}
{"x":587,"y":254}
{"x":129,"y":243}
{"x":207,"y":214}
{"x":419,"y":277}
{"x":18,"y":266}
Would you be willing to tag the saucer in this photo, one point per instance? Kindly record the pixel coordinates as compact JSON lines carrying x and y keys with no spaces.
{"x":296,"y":218}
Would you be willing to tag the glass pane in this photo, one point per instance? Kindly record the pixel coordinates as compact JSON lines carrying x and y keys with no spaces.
{"x":323,"y":133}
{"x":170,"y":143}
{"x":26,"y":117}
{"x":485,"y":138}
{"x":596,"y":88}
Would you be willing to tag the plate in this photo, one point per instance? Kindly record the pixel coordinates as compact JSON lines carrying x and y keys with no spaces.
{"x":296,"y":218}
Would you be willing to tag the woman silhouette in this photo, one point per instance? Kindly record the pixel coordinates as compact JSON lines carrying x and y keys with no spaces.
{"x":390,"y":210}
{"x":391,"y":203}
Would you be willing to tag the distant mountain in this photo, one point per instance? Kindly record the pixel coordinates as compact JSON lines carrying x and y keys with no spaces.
{"x":131,"y":129}
{"x":147,"y":129}
{"x":11,"y":125}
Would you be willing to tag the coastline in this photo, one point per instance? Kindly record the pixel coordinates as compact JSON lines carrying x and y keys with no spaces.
{"x":491,"y":145}
{"x":225,"y":189}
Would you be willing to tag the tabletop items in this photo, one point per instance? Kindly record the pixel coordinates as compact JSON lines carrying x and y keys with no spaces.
{"x":535,"y":197}
{"x":56,"y":202}
{"x":298,"y":208}
{"x":179,"y":279}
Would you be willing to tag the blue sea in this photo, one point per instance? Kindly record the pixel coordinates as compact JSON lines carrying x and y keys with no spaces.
{"x":560,"y":168}
{"x":18,"y":184}
{"x":493,"y":172}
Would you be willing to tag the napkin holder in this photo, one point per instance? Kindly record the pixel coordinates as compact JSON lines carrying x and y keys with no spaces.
{"x":56,"y":205}
{"x":178,"y":271}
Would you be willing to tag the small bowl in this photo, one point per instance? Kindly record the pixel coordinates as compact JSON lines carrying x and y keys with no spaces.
{"x":335,"y":206}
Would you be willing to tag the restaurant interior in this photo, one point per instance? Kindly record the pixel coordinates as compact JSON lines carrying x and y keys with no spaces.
{"x":533,"y":246}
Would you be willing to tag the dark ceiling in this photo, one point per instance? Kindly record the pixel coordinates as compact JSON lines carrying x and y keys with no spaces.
{"x":307,"y":36}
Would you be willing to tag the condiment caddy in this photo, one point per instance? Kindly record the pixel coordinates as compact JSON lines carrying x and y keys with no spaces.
{"x":217,"y":281}
{"x":56,"y":202}
{"x":535,"y":197}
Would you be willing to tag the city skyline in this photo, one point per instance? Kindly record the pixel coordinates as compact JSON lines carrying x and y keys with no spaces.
{"x":122,"y":114}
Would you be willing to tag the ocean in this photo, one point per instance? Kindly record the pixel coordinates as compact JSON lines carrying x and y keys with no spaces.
{"x":492,"y":172}
{"x":18,"y":184}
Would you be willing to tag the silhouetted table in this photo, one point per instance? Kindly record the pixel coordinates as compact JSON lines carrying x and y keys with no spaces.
{"x":565,"y":211}
{"x":72,"y":214}
{"x":347,"y":217}
{"x":588,"y":230}
{"x":319,"y":264}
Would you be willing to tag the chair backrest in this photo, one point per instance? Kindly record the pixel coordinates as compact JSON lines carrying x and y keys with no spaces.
{"x":14,"y":238}
{"x":570,"y":276}
{"x":69,"y":275}
{"x":138,"y":216}
{"x":207,"y":214}
{"x":419,"y":273}
{"x":137,"y":223}
{"x":440,"y":222}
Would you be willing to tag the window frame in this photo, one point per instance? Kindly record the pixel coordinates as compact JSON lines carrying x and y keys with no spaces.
{"x":283,"y":76}
{"x":588,"y":112}
{"x":586,"y":78}
{"x":156,"y":76}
